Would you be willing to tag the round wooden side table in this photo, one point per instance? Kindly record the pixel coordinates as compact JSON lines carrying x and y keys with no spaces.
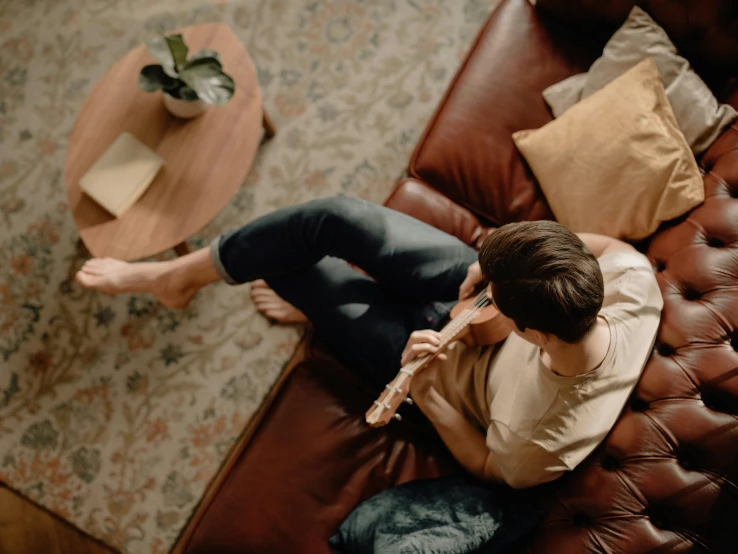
{"x":206,"y":159}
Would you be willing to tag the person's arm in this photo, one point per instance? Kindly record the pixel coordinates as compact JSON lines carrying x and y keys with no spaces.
{"x":466,"y":443}
{"x":519,"y":462}
{"x":600,"y":245}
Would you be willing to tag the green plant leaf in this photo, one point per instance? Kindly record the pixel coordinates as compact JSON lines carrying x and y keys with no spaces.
{"x":202,"y":61}
{"x":186,"y":93}
{"x":153,"y":77}
{"x":207,"y":79}
{"x":204,"y":53}
{"x":178,"y":49}
{"x":158,"y":48}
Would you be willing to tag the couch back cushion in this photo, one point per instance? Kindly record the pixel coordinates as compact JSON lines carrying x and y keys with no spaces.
{"x":467,"y":152}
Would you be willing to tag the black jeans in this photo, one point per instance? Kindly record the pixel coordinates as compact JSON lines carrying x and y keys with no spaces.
{"x":415,"y":273}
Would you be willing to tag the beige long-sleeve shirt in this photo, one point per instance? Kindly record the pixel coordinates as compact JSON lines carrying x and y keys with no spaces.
{"x":540,"y":424}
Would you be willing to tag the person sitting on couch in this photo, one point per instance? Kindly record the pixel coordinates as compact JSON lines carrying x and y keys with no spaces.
{"x":584,"y":310}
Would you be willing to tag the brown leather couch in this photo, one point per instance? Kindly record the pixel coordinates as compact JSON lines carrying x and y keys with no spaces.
{"x":666,"y":478}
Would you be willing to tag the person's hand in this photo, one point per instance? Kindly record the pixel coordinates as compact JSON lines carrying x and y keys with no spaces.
{"x":422,"y":383}
{"x":473,"y":278}
{"x":420,"y":343}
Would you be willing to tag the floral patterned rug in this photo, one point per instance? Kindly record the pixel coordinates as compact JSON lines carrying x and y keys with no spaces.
{"x":115,"y":413}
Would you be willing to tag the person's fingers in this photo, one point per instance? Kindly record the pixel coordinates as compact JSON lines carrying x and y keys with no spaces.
{"x":442,"y":357}
{"x":416,"y":350}
{"x":464,"y":289}
{"x":425,"y":335}
{"x":473,"y":276}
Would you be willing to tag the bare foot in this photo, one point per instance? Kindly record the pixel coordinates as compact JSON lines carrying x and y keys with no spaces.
{"x":115,"y":277}
{"x":273,"y":306}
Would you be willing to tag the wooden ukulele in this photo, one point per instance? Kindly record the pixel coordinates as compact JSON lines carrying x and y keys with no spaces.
{"x":485,"y":326}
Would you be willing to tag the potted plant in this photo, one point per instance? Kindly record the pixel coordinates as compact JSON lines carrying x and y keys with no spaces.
{"x":189,"y":85}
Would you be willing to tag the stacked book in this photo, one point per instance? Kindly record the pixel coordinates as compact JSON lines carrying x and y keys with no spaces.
{"x":122,"y":174}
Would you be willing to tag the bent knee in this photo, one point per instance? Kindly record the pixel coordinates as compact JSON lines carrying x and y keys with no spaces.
{"x":341,"y":209}
{"x":339,"y":204}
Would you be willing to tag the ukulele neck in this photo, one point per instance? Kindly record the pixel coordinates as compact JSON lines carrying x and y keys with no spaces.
{"x":396,"y":392}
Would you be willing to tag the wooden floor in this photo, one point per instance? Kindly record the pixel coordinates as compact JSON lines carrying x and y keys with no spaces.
{"x":27,"y":529}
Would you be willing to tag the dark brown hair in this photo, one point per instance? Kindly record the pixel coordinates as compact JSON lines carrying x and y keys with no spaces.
{"x":544,"y":278}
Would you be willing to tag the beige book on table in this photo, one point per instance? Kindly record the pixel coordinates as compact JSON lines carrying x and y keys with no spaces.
{"x":121,"y":175}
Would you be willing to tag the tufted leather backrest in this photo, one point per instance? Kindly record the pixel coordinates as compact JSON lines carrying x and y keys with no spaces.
{"x":705,"y":31}
{"x":664,"y":480}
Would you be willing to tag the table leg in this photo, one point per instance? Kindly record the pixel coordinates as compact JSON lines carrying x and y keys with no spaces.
{"x":182,"y":249}
{"x":269,"y":129}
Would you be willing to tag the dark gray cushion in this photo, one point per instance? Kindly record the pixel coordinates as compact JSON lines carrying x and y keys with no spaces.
{"x":449,"y":515}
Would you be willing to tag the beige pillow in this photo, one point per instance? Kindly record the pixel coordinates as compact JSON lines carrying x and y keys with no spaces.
{"x":616,"y":163}
{"x":701,"y":118}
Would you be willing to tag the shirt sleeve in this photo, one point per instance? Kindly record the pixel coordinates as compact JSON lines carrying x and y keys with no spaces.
{"x":523,"y":463}
{"x":630,"y":283}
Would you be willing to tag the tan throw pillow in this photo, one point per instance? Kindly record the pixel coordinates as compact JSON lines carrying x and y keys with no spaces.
{"x":616,"y":163}
{"x":701,"y":118}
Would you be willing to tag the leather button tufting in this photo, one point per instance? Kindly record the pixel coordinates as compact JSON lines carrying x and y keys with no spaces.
{"x":661,"y":516}
{"x":691,"y":295}
{"x":638,"y":404}
{"x":719,"y":401}
{"x":686,"y":457}
{"x":708,"y":401}
{"x":581,"y":520}
{"x":610,"y":463}
{"x":715,"y":242}
{"x":665,"y":350}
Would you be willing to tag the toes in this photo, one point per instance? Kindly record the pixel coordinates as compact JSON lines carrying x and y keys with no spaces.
{"x":93,"y":266}
{"x":272,"y":306}
{"x":276,"y":314}
{"x":261,"y":294}
{"x":266,"y":305}
{"x":84,"y":278}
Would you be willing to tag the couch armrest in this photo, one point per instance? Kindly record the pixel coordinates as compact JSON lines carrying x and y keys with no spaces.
{"x":419,"y":200}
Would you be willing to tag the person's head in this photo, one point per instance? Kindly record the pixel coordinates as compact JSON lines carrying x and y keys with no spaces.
{"x":544,"y":279}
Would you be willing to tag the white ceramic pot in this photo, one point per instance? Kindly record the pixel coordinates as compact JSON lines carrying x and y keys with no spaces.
{"x":186,"y":109}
